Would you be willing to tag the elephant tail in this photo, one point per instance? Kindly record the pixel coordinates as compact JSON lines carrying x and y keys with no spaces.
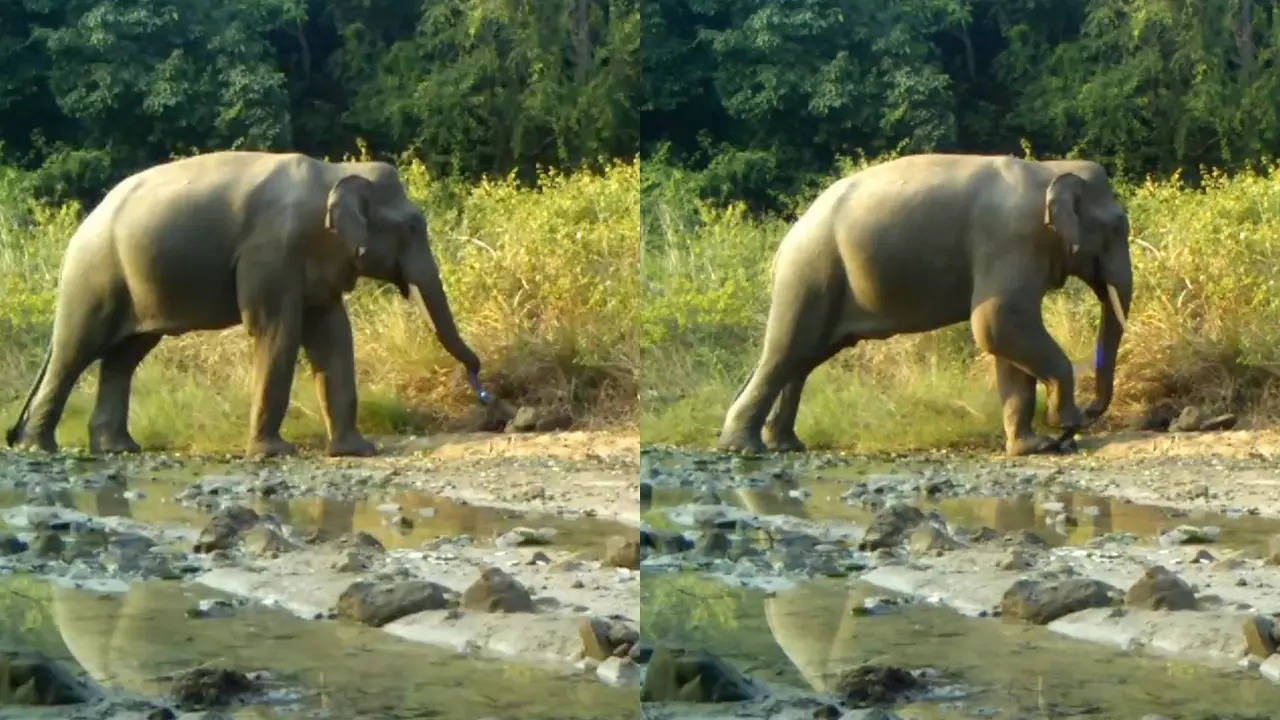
{"x":11,"y":437}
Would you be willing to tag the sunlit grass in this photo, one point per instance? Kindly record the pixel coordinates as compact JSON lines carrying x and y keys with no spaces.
{"x":544,"y":284}
{"x":1204,"y":327}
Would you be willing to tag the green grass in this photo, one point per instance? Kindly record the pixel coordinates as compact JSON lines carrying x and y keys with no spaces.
{"x":1204,"y":327}
{"x":543,"y":283}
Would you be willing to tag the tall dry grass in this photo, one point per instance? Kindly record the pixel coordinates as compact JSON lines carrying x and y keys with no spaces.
{"x":543,"y":282}
{"x":1204,"y":329}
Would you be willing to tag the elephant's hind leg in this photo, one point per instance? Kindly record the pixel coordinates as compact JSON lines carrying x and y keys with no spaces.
{"x":780,"y":428}
{"x":326,"y":337}
{"x":78,"y":340}
{"x":1018,"y":399}
{"x":109,"y":425}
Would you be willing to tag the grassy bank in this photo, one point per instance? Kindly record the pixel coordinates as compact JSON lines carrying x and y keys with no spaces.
{"x":1204,"y":328}
{"x":543,"y":284}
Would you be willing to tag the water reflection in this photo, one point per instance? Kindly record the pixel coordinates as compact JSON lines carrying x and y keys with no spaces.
{"x":808,"y":635}
{"x":131,"y":641}
{"x":1060,"y":518}
{"x":151,"y":500}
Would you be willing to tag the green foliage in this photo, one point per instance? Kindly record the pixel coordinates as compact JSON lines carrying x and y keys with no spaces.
{"x":1202,"y":328}
{"x":96,"y":89}
{"x":764,"y":94}
{"x":542,"y":281}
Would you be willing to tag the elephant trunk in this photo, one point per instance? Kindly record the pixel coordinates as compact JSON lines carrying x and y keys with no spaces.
{"x":421,"y":270}
{"x":1114,"y":290}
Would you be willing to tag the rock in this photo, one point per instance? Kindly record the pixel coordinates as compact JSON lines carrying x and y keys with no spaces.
{"x":206,"y":687}
{"x":707,"y":496}
{"x":266,"y":542}
{"x":525,"y":420}
{"x":48,"y":545}
{"x":1189,"y":420}
{"x":664,"y":542}
{"x":210,"y":608}
{"x":1225,"y":421}
{"x":1198,"y":555}
{"x":875,"y":684}
{"x":28,"y":678}
{"x":361,"y":541}
{"x":890,"y":525}
{"x":1025,"y":538}
{"x":619,"y":671}
{"x":516,"y":537}
{"x":826,"y":712}
{"x":869,"y":714}
{"x":713,"y":544}
{"x":539,"y":558}
{"x":983,"y":534}
{"x":225,"y":528}
{"x":1016,"y":559}
{"x":1187,"y":534}
{"x":929,"y":538}
{"x":595,"y":638}
{"x":496,"y":591}
{"x":160,"y":713}
{"x":680,"y":675}
{"x":1273,"y":550}
{"x":1043,"y":602}
{"x":1159,"y":589}
{"x":11,"y":545}
{"x":378,"y":604}
{"x":352,"y":561}
{"x":1258,"y":635}
{"x":622,"y":552}
{"x":1270,"y":668}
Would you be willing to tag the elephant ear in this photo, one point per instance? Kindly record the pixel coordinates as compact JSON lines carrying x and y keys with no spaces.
{"x":347,"y":212}
{"x":1062,"y":209}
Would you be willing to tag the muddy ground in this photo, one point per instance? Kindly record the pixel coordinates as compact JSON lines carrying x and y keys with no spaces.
{"x":460,"y":576}
{"x":1134,"y":578}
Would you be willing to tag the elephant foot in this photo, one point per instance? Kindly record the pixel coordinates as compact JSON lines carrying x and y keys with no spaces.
{"x":105,"y":443}
{"x":740,"y":441}
{"x":353,"y":445}
{"x":271,"y":447}
{"x":1041,"y":444}
{"x":41,"y":442}
{"x":783,"y":442}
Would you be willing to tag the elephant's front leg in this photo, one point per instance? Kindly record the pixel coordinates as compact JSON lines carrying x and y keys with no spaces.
{"x":326,"y":336}
{"x":1014,"y":332}
{"x":272,"y":313}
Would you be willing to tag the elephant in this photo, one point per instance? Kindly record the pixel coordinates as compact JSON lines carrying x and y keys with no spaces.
{"x":930,"y":240}
{"x":268,"y":240}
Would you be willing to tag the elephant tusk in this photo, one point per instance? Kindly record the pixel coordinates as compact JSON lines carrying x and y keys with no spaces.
{"x":1116,"y":307}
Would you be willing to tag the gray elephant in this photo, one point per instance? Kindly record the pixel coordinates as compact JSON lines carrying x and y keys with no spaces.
{"x":207,"y":242}
{"x":926,"y":241}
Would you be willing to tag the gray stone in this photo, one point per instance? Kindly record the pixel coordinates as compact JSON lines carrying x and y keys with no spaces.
{"x":595,"y":638}
{"x":1270,"y":668}
{"x":928,"y":538}
{"x":11,"y":545}
{"x":496,"y":591}
{"x":225,"y":528}
{"x":875,"y":684}
{"x":624,"y":552}
{"x":207,"y":687}
{"x":1159,"y":589}
{"x":1043,"y":602}
{"x":619,"y":671}
{"x":1258,"y":635}
{"x":1016,"y":559}
{"x":1188,"y":534}
{"x":266,"y":542}
{"x":378,"y":604}
{"x":680,"y":675}
{"x":890,"y":526}
{"x":516,"y":537}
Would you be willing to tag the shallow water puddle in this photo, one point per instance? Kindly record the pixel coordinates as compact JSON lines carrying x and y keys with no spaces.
{"x":127,"y":641}
{"x":151,"y":499}
{"x":805,"y":636}
{"x":1061,"y":518}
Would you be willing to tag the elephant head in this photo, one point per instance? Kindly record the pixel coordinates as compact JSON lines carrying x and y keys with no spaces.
{"x":1081,"y":208}
{"x":387,"y":236}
